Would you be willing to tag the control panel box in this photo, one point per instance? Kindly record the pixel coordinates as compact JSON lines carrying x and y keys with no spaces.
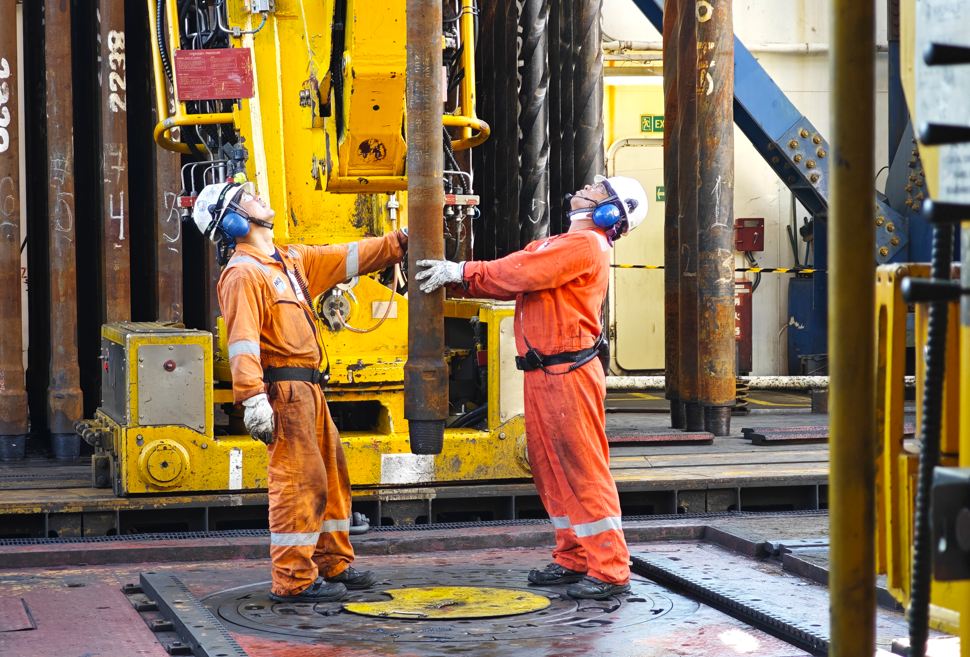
{"x":749,"y":234}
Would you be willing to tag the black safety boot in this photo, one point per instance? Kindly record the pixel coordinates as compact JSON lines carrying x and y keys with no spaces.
{"x":355,"y":580}
{"x":591,"y":588}
{"x":555,"y":574}
{"x":319,"y":591}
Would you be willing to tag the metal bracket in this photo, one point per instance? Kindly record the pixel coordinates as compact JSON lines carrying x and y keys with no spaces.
{"x":951,"y":524}
{"x":196,"y":626}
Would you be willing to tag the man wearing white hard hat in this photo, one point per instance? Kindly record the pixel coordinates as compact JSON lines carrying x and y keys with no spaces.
{"x":559,"y":285}
{"x":278,"y":364}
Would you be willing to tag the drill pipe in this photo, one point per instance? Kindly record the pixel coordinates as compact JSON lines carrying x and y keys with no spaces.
{"x":671,"y":236}
{"x":168,"y":224}
{"x":562,"y":108}
{"x":116,"y":268}
{"x":852,"y":334}
{"x":715,"y":214}
{"x":687,"y":182}
{"x":507,"y":162}
{"x":589,"y":153}
{"x":556,"y":192}
{"x":168,"y":230}
{"x":534,"y":123}
{"x":13,"y":393}
{"x":63,"y":392}
{"x":425,"y":373}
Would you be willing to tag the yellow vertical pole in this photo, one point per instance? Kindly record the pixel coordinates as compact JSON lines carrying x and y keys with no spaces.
{"x":964,"y":378}
{"x":467,"y":28}
{"x":852,"y":478}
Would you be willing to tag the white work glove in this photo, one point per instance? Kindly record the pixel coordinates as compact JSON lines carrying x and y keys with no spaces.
{"x":258,"y":418}
{"x":438,"y":273}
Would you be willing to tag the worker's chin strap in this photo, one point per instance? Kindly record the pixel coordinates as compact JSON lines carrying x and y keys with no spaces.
{"x":235,"y":207}
{"x":579,"y":213}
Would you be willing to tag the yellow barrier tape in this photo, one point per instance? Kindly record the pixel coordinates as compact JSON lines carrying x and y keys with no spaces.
{"x":753,"y":270}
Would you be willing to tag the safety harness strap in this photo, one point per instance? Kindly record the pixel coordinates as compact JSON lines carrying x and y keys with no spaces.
{"x":308,"y":374}
{"x":533,"y":360}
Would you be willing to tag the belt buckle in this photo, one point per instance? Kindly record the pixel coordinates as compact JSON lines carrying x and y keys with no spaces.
{"x":534,"y":358}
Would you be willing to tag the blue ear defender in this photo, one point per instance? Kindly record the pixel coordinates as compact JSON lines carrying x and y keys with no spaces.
{"x":235,"y":225}
{"x":605,"y":216}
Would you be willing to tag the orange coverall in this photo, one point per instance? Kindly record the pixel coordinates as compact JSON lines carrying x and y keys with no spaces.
{"x":270,"y":325}
{"x":559,"y":285}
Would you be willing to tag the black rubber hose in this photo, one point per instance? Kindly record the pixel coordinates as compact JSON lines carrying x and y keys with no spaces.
{"x":471,"y":417}
{"x":160,"y":37}
{"x":919,"y":602}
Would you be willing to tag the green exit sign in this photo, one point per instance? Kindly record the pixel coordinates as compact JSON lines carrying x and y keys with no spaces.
{"x":651,"y":123}
{"x":660,"y":194}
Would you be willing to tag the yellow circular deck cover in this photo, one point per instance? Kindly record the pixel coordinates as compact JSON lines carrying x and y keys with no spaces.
{"x":451,"y":602}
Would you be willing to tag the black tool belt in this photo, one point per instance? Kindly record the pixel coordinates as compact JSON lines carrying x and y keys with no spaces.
{"x":308,"y":374}
{"x":533,"y":360}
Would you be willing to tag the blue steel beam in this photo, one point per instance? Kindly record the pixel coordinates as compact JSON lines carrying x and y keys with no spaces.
{"x":791,"y":146}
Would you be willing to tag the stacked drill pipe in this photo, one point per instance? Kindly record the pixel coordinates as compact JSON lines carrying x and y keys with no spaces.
{"x":496,"y":161}
{"x":687,"y":221}
{"x":425,"y":373}
{"x":168,"y":223}
{"x":167,"y":228}
{"x":63,"y":392}
{"x":671,"y":208}
{"x":534,"y":122}
{"x":562,"y":110}
{"x":589,"y":153}
{"x":13,"y":393}
{"x":116,"y":272}
{"x":508,"y":144}
{"x":715,"y":214}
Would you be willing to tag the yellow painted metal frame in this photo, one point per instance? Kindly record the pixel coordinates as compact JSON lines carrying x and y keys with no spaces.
{"x":499,"y":452}
{"x":898,"y":467}
{"x":328,"y":188}
{"x":370,"y":158}
{"x":203,"y":460}
{"x":162,"y":133}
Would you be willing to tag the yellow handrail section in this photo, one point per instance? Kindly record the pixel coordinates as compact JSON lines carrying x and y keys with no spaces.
{"x":467,"y":122}
{"x":162,"y":132}
{"x":186,"y":119}
{"x":470,"y":120}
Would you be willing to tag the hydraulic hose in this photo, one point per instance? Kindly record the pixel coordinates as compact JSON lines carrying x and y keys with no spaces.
{"x":919,"y":601}
{"x":160,"y":37}
{"x":472,"y":417}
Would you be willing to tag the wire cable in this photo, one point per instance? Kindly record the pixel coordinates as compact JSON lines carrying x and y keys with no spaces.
{"x":353,"y":329}
{"x":160,"y":36}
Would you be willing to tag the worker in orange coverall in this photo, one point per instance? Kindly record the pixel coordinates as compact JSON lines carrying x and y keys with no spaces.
{"x":559,"y":285}
{"x":276,"y":358}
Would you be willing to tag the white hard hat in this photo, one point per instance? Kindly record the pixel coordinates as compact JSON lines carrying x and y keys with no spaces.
{"x":216,"y":198}
{"x":632,"y":196}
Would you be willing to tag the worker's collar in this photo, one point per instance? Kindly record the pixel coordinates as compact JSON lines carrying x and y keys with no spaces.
{"x":258,"y":254}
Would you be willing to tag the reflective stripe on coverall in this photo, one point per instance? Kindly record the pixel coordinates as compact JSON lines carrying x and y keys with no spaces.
{"x":566,"y":278}
{"x":269,"y":324}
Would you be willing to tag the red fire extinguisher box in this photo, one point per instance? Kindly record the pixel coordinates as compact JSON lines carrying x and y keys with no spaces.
{"x":742,"y":324}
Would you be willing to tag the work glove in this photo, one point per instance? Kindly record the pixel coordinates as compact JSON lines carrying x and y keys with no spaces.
{"x":438,"y":273}
{"x":258,"y":418}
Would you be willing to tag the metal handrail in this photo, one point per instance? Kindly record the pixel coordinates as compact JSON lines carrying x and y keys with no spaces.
{"x":469,"y":120}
